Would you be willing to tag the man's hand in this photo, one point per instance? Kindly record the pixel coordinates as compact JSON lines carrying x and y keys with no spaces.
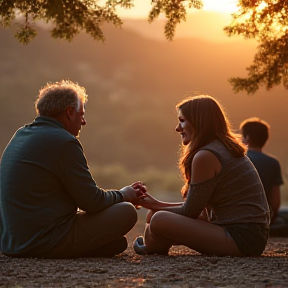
{"x":133,"y":192}
{"x":140,"y":187}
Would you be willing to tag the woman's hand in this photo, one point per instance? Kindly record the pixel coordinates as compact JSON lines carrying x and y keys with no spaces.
{"x":133,"y":192}
{"x":149,"y":202}
{"x":204,"y":216}
{"x":140,"y":188}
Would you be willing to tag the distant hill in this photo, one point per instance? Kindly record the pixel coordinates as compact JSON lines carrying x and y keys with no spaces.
{"x":205,"y":25}
{"x":134,"y":82}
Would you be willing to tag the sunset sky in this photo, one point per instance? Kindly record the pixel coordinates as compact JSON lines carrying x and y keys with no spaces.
{"x":207,"y":23}
{"x":142,"y":7}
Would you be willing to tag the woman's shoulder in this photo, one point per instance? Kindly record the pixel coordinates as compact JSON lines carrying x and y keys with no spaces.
{"x":220,"y":151}
{"x":215,"y":144}
{"x":203,"y":155}
{"x":205,"y":165}
{"x":216,"y":147}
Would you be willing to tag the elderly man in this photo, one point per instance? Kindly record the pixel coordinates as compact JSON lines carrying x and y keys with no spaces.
{"x":50,"y":205}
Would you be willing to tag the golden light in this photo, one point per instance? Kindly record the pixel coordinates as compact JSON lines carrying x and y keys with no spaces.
{"x":222,"y":6}
{"x":262,"y":6}
{"x":142,"y":7}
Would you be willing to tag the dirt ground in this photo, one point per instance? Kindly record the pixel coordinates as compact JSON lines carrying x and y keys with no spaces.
{"x":182,"y":268}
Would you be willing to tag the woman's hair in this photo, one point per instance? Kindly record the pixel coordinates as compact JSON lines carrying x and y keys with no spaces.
{"x":208,"y":122}
{"x":55,"y":97}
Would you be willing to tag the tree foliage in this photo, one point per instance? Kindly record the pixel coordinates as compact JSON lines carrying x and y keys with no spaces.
{"x":175,"y":12}
{"x":267,"y":22}
{"x":69,"y":17}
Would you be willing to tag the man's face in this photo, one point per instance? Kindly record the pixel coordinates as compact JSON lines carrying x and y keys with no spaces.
{"x":77,"y":121}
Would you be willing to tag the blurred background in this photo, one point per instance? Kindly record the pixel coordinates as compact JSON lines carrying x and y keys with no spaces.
{"x":134,"y":80}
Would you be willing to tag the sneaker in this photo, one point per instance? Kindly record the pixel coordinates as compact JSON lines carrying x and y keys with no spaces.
{"x":139,"y":246}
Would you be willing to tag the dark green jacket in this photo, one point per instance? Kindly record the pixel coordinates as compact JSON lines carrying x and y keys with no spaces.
{"x":44,"y":178}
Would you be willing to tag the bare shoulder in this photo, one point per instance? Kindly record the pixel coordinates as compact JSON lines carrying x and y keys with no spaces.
{"x":205,"y":165}
{"x":204,"y":154}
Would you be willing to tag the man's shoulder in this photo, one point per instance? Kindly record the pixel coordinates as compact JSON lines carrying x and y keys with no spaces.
{"x":43,"y":134}
{"x":51,"y":129}
{"x":263,"y":157}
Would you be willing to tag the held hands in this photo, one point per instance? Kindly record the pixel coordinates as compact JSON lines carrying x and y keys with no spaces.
{"x":140,"y":188}
{"x":149,"y":202}
{"x":141,"y":191}
{"x":138,"y":196}
{"x":144,"y":199}
{"x":133,"y":193}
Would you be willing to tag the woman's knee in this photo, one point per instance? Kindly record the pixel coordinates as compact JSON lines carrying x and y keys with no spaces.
{"x":159,"y":222}
{"x":149,"y":216}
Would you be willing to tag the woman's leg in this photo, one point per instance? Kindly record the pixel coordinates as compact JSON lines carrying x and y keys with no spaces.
{"x":99,"y":234}
{"x":167,"y":229}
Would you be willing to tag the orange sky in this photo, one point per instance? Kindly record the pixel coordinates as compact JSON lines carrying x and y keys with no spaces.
{"x":142,"y":7}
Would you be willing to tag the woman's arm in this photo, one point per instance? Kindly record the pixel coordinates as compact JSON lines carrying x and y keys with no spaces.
{"x":205,"y":166}
{"x":150,"y":202}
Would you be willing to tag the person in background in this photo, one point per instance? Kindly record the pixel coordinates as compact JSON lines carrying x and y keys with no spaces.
{"x":50,"y":205}
{"x":219,"y":178}
{"x":255,"y":134}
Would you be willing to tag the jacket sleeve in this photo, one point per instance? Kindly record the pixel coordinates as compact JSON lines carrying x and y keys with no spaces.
{"x":78,"y":182}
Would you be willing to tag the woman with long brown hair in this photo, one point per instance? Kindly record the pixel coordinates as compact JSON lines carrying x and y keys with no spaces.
{"x":225,"y":210}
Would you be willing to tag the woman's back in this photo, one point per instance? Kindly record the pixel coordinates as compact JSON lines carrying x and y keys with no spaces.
{"x":238,"y":195}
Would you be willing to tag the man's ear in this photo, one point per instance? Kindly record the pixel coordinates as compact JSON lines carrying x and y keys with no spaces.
{"x":246,"y":139}
{"x":70,"y":112}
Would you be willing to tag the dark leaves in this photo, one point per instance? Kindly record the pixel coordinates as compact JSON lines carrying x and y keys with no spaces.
{"x":69,"y":17}
{"x":174,"y":11}
{"x":268,"y":24}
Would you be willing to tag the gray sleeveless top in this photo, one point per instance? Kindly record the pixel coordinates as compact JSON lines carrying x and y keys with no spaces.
{"x":235,"y":195}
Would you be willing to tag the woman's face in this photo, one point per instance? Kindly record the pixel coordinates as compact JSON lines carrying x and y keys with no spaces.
{"x":184,"y":128}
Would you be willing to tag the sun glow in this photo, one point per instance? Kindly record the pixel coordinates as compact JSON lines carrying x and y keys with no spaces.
{"x":222,"y":6}
{"x":142,"y":7}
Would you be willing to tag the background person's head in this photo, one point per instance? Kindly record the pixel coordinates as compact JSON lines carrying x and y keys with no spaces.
{"x":255,"y":132}
{"x":64,"y":101}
